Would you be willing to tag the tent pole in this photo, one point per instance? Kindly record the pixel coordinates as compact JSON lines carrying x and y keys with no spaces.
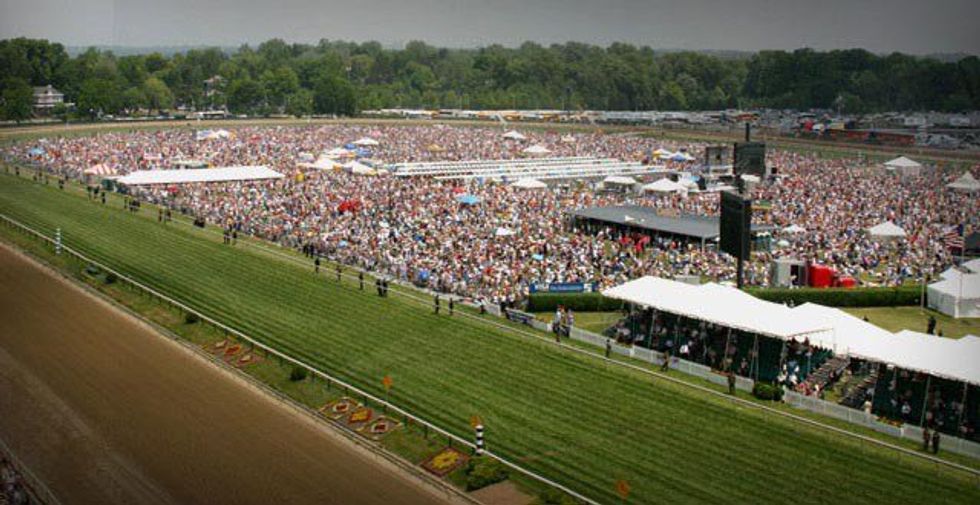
{"x":925,"y":402}
{"x":755,"y":357}
{"x":959,"y":421}
{"x":724,"y":355}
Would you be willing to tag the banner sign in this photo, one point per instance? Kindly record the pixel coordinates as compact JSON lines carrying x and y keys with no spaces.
{"x":564,"y":287}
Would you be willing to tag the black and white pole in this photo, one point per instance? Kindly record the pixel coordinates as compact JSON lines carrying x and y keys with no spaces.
{"x":57,"y":241}
{"x":479,"y":440}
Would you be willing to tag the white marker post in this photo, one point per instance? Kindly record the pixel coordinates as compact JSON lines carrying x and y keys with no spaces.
{"x":57,"y":241}
{"x":479,"y":440}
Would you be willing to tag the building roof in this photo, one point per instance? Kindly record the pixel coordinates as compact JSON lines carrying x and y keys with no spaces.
{"x":635,"y":216}
{"x":222,"y":174}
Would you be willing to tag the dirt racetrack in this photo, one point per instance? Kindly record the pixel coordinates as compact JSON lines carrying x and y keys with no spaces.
{"x":104,"y":410}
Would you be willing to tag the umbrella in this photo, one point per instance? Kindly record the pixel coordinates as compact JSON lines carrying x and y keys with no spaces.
{"x":468,"y":199}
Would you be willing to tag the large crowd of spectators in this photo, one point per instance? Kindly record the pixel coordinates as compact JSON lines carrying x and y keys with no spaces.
{"x":417,"y":230}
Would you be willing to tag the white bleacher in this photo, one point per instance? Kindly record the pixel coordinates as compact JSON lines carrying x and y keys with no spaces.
{"x":540,"y":168}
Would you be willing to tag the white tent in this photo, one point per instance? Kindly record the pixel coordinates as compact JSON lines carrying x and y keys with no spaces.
{"x":956,"y":295}
{"x":717,"y":304}
{"x":529,"y":183}
{"x":664,"y":186}
{"x":904,"y":166}
{"x":568,"y":139}
{"x":366,"y":141}
{"x":358,"y":168}
{"x":751,"y":179}
{"x":966,"y":182}
{"x":973,"y":266}
{"x":504,"y":232}
{"x":514,"y":135}
{"x":337,"y":152}
{"x":887,"y":229}
{"x":620,"y":180}
{"x":537,"y":149}
{"x":322,"y":163}
{"x":794,"y":229}
{"x":222,"y":174}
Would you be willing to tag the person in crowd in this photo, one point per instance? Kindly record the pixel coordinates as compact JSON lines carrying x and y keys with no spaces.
{"x":452,"y":305}
{"x":316,"y":265}
{"x":925,"y":438}
{"x":360,"y":280}
{"x":435,"y":304}
{"x":931,"y":325}
{"x":935,"y":441}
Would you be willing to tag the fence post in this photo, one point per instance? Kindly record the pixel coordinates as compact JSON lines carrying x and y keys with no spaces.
{"x":57,"y":241}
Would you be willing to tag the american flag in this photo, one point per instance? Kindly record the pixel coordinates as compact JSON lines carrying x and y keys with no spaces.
{"x":954,"y":237}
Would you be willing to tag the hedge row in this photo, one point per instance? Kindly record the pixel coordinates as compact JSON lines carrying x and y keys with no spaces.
{"x":830,"y":297}
{"x":578,"y":302}
{"x":843,"y":297}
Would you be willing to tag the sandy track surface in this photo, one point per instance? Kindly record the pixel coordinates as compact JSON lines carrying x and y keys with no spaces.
{"x":104,"y":410}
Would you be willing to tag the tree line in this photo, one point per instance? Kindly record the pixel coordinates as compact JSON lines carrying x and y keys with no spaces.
{"x":343,"y":77}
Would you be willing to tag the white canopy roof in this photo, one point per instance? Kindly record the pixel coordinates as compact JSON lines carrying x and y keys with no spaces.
{"x":960,"y":285}
{"x":537,"y":149}
{"x":825,"y":327}
{"x":337,"y":152}
{"x":716,"y":304}
{"x":222,"y":174}
{"x":619,"y":179}
{"x":973,"y":265}
{"x":902,"y":162}
{"x":514,"y":135}
{"x":886,"y":229}
{"x":356,"y":167}
{"x":794,"y":228}
{"x":664,"y":186}
{"x":101,"y":169}
{"x":966,"y":182}
{"x":366,"y":141}
{"x":504,"y":232}
{"x":568,"y":139}
{"x":322,"y":163}
{"x":529,"y":183}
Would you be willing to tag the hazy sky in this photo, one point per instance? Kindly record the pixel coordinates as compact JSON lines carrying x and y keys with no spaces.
{"x":915,"y":26}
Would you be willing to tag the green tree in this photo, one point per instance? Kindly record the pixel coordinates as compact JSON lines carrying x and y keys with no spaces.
{"x":300,"y":103}
{"x":17,"y":100}
{"x":158,"y":95}
{"x":98,"y":96}
{"x":279,"y":84}
{"x":244,"y":95}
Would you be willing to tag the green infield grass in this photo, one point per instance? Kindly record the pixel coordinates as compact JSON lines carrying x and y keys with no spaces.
{"x":573,"y":418}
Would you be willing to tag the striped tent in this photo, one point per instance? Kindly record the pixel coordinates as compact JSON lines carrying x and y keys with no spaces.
{"x":101,"y":170}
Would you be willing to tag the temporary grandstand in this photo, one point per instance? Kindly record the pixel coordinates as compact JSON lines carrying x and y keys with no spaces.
{"x":221,"y":174}
{"x":635,"y":218}
{"x":906,"y":365}
{"x":578,"y":167}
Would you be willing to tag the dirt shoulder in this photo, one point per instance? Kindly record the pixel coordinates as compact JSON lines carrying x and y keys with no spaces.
{"x":103,"y":409}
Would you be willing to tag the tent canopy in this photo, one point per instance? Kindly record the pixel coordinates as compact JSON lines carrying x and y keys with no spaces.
{"x":957,"y":294}
{"x":514,"y":135}
{"x":504,"y":232}
{"x":322,"y":163}
{"x":358,"y":168}
{"x":716,"y":304}
{"x":101,"y":169}
{"x":825,"y":327}
{"x":620,"y":179}
{"x":537,"y":149}
{"x":222,"y":174}
{"x":664,"y":186}
{"x":794,"y":229}
{"x":468,"y":199}
{"x":529,"y":183}
{"x":903,"y":162}
{"x":366,"y":141}
{"x":966,"y":182}
{"x":887,"y":229}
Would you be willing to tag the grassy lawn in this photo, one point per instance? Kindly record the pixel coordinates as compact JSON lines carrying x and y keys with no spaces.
{"x":570,"y":417}
{"x":916,"y":319}
{"x":596,"y":322}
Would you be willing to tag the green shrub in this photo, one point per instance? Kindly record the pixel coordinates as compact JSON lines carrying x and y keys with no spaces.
{"x":764,"y":391}
{"x":297,"y":374}
{"x":92,"y":270}
{"x":482,"y":472}
{"x":578,"y":302}
{"x":843,"y":297}
{"x":191,"y":318}
{"x":552,"y":496}
{"x":111,"y":278}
